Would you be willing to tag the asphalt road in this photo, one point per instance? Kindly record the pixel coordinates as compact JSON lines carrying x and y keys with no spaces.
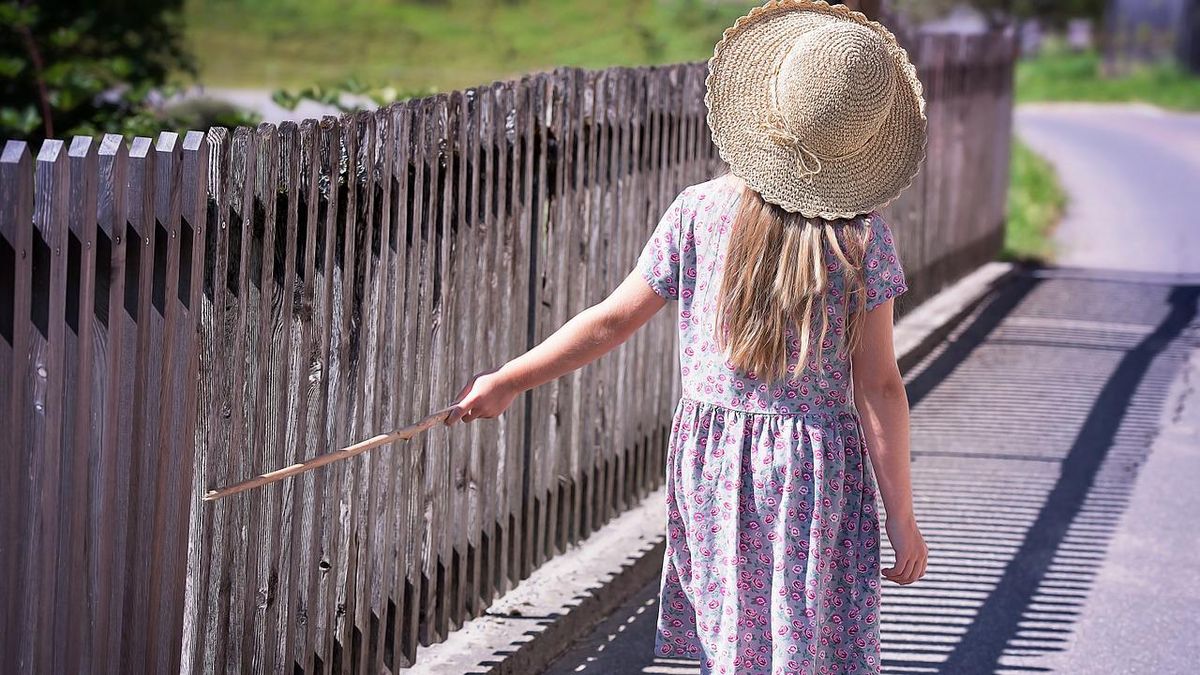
{"x":1056,"y":440}
{"x":1133,"y":173}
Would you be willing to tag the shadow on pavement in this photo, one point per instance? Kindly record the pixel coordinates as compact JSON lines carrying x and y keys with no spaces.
{"x":1029,"y":424}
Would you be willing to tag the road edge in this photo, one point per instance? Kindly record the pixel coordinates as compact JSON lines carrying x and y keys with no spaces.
{"x":564,"y":599}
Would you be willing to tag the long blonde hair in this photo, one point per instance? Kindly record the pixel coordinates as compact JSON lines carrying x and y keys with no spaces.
{"x":774,"y":274}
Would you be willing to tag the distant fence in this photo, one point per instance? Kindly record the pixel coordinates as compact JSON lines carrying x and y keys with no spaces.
{"x":187,"y":312}
{"x":1139,"y":31}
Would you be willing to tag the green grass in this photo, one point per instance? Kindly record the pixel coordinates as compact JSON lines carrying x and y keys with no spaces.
{"x":1036,"y":200}
{"x":444,"y":44}
{"x":1035,"y":203}
{"x":1060,"y":75}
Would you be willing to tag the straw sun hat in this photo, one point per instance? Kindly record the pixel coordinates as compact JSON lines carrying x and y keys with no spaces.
{"x":817,"y":108}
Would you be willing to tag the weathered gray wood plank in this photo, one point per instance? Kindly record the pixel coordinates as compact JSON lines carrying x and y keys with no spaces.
{"x":77,"y":418}
{"x":344,"y":374}
{"x":44,"y":418}
{"x":463,"y":264}
{"x":16,"y":228}
{"x":300,"y":189}
{"x":477,"y":481}
{"x":402,"y":342}
{"x":380,"y":543}
{"x":322,"y":394}
{"x":236,"y":449}
{"x":193,"y":253}
{"x":360,"y":605}
{"x":267,"y":388}
{"x":165,"y":453}
{"x":442,"y":372}
{"x":544,"y":443}
{"x":492,"y":450}
{"x":419,"y":271}
{"x":201,"y":603}
{"x":509,"y":512}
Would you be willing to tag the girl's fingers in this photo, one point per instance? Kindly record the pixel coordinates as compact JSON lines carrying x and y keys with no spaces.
{"x":455,"y":415}
{"x":912,"y":571}
{"x":901,"y":571}
{"x":895,"y":570}
{"x":915,"y":572}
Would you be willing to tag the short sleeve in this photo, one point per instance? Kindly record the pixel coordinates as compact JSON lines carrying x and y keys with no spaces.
{"x":885,"y":275}
{"x":659,"y":260}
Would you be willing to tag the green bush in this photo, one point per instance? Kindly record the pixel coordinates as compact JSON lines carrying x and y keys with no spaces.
{"x":89,"y":66}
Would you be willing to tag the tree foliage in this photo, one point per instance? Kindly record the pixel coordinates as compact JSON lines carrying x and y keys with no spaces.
{"x":87,"y":66}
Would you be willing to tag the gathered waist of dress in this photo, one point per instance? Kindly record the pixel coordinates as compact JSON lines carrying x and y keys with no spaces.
{"x":789,"y":408}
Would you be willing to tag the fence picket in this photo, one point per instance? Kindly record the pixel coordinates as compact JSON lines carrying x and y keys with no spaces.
{"x":16,"y":538}
{"x":193,"y":252}
{"x":106,"y":531}
{"x":44,"y":421}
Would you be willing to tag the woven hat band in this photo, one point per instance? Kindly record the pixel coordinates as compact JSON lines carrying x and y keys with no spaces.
{"x":834,"y":89}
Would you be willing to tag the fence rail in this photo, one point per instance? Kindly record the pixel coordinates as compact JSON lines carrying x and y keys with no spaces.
{"x":188,"y":311}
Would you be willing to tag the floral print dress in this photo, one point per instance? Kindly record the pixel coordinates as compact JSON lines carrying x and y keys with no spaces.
{"x":772,"y":561}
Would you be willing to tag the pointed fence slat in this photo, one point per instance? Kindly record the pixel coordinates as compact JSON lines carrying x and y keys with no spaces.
{"x":186,"y":312}
{"x":79,"y":424}
{"x":16,"y":539}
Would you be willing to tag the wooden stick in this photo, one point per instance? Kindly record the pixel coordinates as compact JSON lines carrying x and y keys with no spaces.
{"x":348,"y":451}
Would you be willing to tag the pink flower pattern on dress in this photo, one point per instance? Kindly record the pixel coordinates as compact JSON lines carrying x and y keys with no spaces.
{"x":772,"y":559}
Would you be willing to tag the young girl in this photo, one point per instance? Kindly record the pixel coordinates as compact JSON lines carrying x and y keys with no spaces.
{"x":793,"y":411}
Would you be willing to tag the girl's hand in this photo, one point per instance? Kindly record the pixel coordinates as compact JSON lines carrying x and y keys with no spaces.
{"x":911,"y":552}
{"x":487,"y":395}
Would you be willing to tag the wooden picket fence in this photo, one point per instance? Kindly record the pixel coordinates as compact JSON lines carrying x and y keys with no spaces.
{"x":1137,"y":32}
{"x":189,"y":311}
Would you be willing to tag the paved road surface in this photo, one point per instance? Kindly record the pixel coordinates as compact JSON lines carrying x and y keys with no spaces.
{"x":1056,"y":452}
{"x":1134,"y":174}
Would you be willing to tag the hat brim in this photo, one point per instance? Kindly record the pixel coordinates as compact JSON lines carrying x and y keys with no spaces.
{"x":737,"y":93}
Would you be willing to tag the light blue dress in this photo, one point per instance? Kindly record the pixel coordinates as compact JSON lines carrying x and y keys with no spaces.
{"x":772,"y":562}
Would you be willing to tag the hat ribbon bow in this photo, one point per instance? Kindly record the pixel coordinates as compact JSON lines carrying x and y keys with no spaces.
{"x":774,"y":126}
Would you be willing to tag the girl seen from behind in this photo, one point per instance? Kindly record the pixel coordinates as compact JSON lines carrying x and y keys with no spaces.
{"x":793,"y":414}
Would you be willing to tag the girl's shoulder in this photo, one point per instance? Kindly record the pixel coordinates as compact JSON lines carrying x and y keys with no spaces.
{"x":724,"y":185}
{"x":711,"y":197}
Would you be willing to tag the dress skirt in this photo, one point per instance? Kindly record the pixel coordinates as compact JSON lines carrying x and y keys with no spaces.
{"x":772,"y":560}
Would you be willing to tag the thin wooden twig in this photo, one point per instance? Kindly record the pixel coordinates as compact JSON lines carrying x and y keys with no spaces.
{"x":402,"y":434}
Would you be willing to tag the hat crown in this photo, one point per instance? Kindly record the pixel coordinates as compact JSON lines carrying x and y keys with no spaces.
{"x":835,"y":88}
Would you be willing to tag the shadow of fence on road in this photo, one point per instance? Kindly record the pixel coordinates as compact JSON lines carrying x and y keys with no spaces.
{"x":1029,"y":425}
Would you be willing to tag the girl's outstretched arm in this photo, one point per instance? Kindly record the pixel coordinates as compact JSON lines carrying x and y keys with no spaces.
{"x":882,"y":402}
{"x":586,"y":337}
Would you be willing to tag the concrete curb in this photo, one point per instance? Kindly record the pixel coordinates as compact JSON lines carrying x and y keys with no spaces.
{"x":526,"y":629}
{"x":920,"y":330}
{"x":530,"y":626}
